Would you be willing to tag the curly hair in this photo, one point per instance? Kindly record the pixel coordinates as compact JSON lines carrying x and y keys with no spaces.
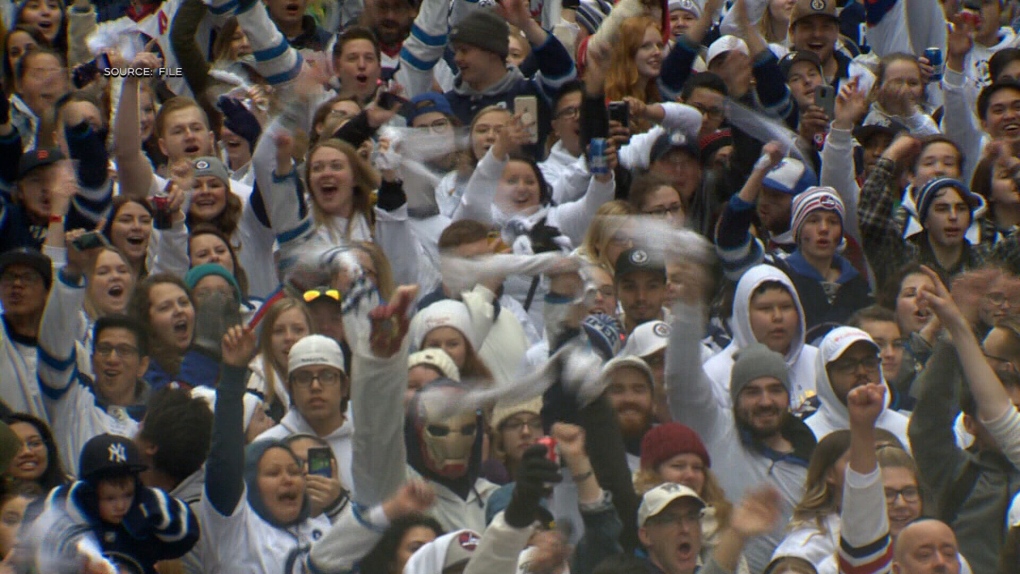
{"x":382,"y":558}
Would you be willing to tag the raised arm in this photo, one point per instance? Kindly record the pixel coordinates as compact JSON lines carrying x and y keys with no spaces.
{"x":134,"y":172}
{"x":480,"y":191}
{"x":865,"y":545}
{"x":737,"y":249}
{"x":377,"y":393}
{"x":224,"y":469}
{"x":182,"y":40}
{"x":692,"y":399}
{"x":838,"y":169}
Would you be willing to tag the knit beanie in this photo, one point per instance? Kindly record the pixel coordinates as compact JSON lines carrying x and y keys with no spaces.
{"x":504,"y":411}
{"x":483,"y":29}
{"x":927,"y":195}
{"x":208,"y":165}
{"x":591,"y":13}
{"x":814,"y":199}
{"x":667,"y":440}
{"x":755,"y":362}
{"x":196,"y":274}
{"x":605,"y":334}
{"x":444,"y":313}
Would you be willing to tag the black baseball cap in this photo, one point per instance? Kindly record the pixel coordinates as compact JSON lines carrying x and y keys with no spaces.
{"x":668,"y":142}
{"x":637,"y":260}
{"x":891,"y":129}
{"x":799,"y":56}
{"x":109,"y":455}
{"x":32,"y":258}
{"x":38,"y":157}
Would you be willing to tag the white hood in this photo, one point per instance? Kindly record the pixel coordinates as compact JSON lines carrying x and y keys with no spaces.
{"x":429,"y":559}
{"x":832,"y":414}
{"x":740,"y":321}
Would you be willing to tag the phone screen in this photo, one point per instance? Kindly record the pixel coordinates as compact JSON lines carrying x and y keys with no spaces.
{"x":320,"y":462}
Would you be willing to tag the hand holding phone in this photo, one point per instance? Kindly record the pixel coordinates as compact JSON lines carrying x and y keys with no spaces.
{"x":825,"y":98}
{"x":320,"y":462}
{"x":90,"y":240}
{"x":527,"y":108}
{"x":620,"y":112}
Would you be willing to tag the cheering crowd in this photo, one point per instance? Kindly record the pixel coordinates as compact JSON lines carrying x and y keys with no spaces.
{"x":510,"y":286}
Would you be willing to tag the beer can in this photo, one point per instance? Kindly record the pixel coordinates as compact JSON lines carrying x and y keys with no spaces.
{"x":934,"y":56}
{"x":161,"y":216}
{"x":552,"y":452}
{"x":597,"y":156}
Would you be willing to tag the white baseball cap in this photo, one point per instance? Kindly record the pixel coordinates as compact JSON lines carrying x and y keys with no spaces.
{"x":724,"y":44}
{"x":647,"y":338}
{"x":315,"y":350}
{"x":437,"y":359}
{"x":657,"y":499}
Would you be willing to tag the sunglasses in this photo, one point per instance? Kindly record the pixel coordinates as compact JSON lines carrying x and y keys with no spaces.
{"x":314,"y":294}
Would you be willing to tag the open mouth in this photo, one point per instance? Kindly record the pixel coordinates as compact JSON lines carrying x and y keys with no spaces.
{"x":180,"y":327}
{"x":289,"y":498}
{"x":205,"y":201}
{"x":192,"y":149}
{"x":685,"y":551}
{"x":328,"y":189}
{"x":293,"y":8}
{"x":136,"y":240}
{"x":28,"y":465}
{"x":815,"y":46}
{"x":44,"y":25}
{"x":116,"y":290}
{"x":362,"y":78}
{"x":111,"y":373}
{"x":1011,"y":129}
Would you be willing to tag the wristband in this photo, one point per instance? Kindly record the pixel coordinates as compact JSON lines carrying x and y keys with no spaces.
{"x":583,"y":476}
{"x":54,"y":218}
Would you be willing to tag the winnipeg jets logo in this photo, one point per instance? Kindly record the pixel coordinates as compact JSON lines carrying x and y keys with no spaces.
{"x":201,"y":164}
{"x":638,"y":257}
{"x":661,"y":330}
{"x":118,"y":454}
{"x":818,"y":5}
{"x":827,"y":202}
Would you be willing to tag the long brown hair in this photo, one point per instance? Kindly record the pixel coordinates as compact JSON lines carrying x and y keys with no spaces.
{"x":165,"y":355}
{"x":820,"y":498}
{"x":270,"y":365}
{"x":366,"y":180}
{"x":90,"y":305}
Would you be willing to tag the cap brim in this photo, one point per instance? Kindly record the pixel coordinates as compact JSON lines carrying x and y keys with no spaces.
{"x":655,"y":511}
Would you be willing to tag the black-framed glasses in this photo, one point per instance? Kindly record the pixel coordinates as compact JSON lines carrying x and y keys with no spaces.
{"x":124,"y":351}
{"x":573,"y":112}
{"x":516,"y":425}
{"x":666,"y":210}
{"x":326,"y":378}
{"x":909,"y":494}
{"x":688,"y":519}
{"x":847,"y":366}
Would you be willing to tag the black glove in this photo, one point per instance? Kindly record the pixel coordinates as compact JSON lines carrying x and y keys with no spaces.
{"x":535,"y":474}
{"x":5,"y":110}
{"x":239,"y":120}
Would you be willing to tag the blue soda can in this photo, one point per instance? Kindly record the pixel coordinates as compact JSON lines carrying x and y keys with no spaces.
{"x":597,"y":156}
{"x":934,"y":56}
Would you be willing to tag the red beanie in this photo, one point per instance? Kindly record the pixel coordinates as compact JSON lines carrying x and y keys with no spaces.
{"x":668,"y":440}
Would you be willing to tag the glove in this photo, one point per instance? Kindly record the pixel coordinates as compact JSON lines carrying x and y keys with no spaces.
{"x":239,"y":120}
{"x":533,"y":478}
{"x":5,"y":110}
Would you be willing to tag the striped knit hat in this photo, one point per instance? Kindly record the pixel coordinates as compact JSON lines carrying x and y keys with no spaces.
{"x":930,"y":191}
{"x":814,"y":199}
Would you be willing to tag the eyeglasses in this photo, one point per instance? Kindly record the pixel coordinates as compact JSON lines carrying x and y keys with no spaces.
{"x":441,"y":431}
{"x":573,"y":112}
{"x":304,"y":379}
{"x":516,"y":425}
{"x":606,"y":291}
{"x":314,"y":294}
{"x":847,"y":366}
{"x":28,"y":279}
{"x":714,"y":112}
{"x":124,"y":351}
{"x":909,"y":494}
{"x":997,"y":299}
{"x":689,"y":519}
{"x":666,"y":210}
{"x":1002,"y":364}
{"x":439,"y":126}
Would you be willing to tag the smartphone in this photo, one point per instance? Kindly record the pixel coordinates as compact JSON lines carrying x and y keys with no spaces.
{"x":320,"y":462}
{"x":389,"y":100}
{"x":619,"y":112}
{"x":825,"y":98}
{"x":527,"y":108}
{"x":84,"y":74}
{"x":89,"y":240}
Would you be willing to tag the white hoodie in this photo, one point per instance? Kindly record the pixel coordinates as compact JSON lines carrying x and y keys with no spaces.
{"x":339,"y":440}
{"x":832,"y":414}
{"x":800,"y":358}
{"x":430,"y":558}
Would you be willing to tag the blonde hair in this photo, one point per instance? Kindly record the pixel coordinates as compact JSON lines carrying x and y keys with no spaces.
{"x":270,"y":365}
{"x":711,"y":492}
{"x":366,"y":180}
{"x":821,"y":498}
{"x":609,"y":219}
{"x":467,"y":161}
{"x":383,"y":271}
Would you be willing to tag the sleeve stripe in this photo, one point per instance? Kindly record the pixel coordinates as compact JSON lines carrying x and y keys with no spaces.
{"x":434,"y":40}
{"x":419,"y":64}
{"x":270,"y":53}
